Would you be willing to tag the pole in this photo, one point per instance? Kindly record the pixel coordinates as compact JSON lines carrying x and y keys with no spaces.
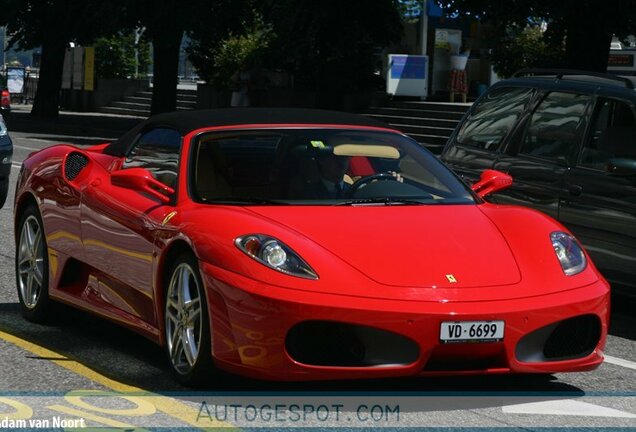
{"x":424,"y":27}
{"x":4,"y":46}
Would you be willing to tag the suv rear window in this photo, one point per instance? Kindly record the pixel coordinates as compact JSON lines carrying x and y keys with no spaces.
{"x":492,"y":119}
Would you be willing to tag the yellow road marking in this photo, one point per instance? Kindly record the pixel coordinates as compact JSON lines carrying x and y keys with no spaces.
{"x":164,"y":404}
{"x":22,"y":411}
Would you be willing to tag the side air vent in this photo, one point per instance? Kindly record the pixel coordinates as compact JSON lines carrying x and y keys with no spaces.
{"x":74,"y":164}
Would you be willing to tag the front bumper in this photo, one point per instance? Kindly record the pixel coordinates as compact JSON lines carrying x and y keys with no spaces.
{"x":255,"y":332}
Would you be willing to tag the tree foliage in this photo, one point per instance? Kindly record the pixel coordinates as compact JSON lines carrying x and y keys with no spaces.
{"x":118,"y":56}
{"x":332,"y":45}
{"x":166,"y":23}
{"x":217,"y":52}
{"x":243,"y":50}
{"x":525,"y":47}
{"x":585,"y":28}
{"x":52,"y":24}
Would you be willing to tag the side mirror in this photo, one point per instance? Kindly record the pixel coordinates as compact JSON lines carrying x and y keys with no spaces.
{"x":621,"y":166}
{"x":140,"y":180}
{"x":491,"y":181}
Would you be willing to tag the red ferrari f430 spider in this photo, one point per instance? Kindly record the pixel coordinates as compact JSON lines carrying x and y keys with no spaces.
{"x":303,"y":245}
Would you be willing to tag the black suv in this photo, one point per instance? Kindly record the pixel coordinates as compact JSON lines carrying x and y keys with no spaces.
{"x":568,"y":139}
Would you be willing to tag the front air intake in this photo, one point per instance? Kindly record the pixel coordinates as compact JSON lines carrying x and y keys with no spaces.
{"x":573,"y":338}
{"x":74,"y":164}
{"x":568,"y":339}
{"x":339,"y":344}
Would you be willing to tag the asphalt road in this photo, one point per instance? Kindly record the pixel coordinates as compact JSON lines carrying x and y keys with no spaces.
{"x":45,"y":369}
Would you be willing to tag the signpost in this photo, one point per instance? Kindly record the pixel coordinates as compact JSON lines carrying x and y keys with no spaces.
{"x":15,"y":80}
{"x":408,"y":75}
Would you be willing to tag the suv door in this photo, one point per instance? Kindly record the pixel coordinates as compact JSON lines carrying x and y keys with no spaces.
{"x":541,"y":152}
{"x":601,"y":211}
{"x":475,"y":146}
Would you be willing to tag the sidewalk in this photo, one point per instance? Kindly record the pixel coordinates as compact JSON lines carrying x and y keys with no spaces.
{"x":82,"y":124}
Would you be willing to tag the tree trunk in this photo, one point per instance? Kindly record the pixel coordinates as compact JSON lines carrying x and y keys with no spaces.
{"x":166,"y":46}
{"x":47,"y":98}
{"x":589,"y":34}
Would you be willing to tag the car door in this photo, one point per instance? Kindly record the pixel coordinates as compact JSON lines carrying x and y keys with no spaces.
{"x":119,"y":226}
{"x":540,"y":154}
{"x":602,"y":212}
{"x":477,"y":142}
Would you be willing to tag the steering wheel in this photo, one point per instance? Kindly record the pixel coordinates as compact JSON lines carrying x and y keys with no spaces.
{"x":360,"y":183}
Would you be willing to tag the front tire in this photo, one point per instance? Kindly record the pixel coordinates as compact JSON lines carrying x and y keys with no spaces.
{"x":186,"y":323}
{"x":32,"y":266}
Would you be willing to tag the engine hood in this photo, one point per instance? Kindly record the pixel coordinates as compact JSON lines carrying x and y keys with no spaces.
{"x":453,"y":246}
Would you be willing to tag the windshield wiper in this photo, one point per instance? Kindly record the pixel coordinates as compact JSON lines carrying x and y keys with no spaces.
{"x":383,"y":200}
{"x":245,"y":200}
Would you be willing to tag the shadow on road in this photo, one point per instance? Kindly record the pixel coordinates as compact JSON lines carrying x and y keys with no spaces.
{"x":623,"y":318}
{"x":76,"y":124}
{"x":129,"y":358}
{"x":74,"y":140}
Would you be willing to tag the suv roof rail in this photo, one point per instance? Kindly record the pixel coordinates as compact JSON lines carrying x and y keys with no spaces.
{"x":561,"y":73}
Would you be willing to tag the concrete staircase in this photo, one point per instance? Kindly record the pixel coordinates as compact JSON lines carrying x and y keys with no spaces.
{"x":429,"y":123}
{"x":139,"y":104}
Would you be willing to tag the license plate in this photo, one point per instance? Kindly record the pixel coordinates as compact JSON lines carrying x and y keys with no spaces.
{"x":471,"y":331}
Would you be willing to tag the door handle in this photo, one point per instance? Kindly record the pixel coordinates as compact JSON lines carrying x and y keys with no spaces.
{"x":575,"y":190}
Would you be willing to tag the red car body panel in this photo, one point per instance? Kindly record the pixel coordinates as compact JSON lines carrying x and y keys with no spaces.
{"x":501,"y":258}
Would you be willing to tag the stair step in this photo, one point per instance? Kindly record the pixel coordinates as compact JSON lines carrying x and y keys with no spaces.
{"x":428,"y":139}
{"x":140,"y":106}
{"x":138,"y":99}
{"x":423,"y":130}
{"x":417,"y":121}
{"x":124,"y":111}
{"x":416,"y":113}
{"x":187,"y":97}
{"x":186,"y":104}
{"x":433,"y":106}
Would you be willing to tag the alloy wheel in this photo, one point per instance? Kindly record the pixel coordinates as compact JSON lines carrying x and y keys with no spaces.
{"x":183,"y":318}
{"x":31,"y":262}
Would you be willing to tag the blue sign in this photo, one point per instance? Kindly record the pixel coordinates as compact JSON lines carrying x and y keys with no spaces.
{"x":408,"y":67}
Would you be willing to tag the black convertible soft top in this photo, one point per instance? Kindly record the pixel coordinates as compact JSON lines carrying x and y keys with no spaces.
{"x":188,"y":121}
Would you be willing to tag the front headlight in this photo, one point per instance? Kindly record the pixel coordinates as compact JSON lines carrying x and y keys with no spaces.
{"x":275,"y":255}
{"x":569,"y":253}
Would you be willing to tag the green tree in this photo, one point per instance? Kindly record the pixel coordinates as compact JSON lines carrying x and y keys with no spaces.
{"x":216,"y":61}
{"x":584,"y":27}
{"x":332,"y":46}
{"x":166,"y":23}
{"x":526,"y":47}
{"x":52,"y":24}
{"x":118,"y":56}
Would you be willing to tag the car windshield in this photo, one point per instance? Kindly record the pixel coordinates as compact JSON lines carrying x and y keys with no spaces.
{"x":320,"y":167}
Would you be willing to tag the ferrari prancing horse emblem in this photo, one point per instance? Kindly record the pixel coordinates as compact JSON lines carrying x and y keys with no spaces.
{"x":451,"y":278}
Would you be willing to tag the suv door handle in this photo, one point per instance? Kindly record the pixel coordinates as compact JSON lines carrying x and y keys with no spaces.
{"x":575,"y":190}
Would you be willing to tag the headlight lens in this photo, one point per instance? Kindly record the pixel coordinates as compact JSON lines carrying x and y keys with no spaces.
{"x":275,"y":255}
{"x":569,"y":253}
